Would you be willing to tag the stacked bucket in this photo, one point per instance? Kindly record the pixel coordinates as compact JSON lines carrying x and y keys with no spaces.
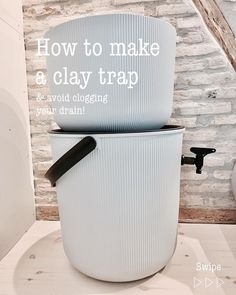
{"x":116,"y":166}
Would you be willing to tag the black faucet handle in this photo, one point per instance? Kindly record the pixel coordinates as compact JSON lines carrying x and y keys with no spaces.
{"x":200,"y":154}
{"x":198,"y":161}
{"x":199,"y":151}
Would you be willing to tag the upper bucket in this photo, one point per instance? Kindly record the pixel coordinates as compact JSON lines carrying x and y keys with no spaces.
{"x":139,"y":54}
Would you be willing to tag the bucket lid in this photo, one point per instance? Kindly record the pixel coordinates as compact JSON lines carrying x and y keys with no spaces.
{"x":165,"y":129}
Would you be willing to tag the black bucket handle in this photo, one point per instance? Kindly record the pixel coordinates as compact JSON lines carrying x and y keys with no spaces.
{"x":70,"y":158}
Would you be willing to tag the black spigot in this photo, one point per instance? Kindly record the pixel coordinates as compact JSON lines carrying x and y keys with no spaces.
{"x":198,"y":161}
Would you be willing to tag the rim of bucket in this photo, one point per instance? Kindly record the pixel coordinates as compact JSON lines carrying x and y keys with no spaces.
{"x":154,"y":19}
{"x":167,"y":129}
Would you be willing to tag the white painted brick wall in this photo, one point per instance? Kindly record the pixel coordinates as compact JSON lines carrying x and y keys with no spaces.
{"x":174,"y":9}
{"x":123,"y":2}
{"x":204,"y":97}
{"x":188,"y":22}
{"x":200,"y":108}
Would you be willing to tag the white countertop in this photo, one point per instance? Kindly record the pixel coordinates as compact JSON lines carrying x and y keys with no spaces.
{"x":37,"y":265}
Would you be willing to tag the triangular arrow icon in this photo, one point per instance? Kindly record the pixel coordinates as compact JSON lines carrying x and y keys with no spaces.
{"x":219,"y":282}
{"x":196,"y":282}
{"x":208,"y":282}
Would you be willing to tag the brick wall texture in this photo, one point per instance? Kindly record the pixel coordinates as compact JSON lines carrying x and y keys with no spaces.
{"x":204,"y":97}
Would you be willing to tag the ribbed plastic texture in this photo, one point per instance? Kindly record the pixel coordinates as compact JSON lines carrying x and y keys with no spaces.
{"x":147,"y":105}
{"x":119,"y":205}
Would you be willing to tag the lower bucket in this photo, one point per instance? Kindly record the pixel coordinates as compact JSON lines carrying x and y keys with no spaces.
{"x":119,"y":203}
